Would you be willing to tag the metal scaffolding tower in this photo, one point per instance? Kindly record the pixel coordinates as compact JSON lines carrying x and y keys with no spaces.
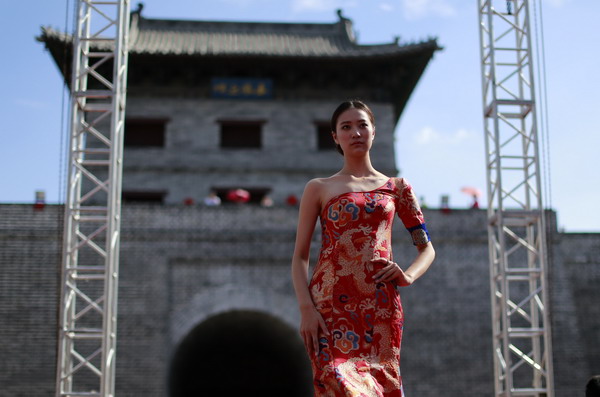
{"x":88,"y":311}
{"x":516,"y":231}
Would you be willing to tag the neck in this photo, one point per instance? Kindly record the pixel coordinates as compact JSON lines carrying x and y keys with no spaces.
{"x":358,"y":167}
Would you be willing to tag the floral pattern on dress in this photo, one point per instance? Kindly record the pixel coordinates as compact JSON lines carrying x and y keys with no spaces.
{"x":360,"y":357}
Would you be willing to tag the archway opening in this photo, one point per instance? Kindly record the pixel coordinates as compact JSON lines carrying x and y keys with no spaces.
{"x":241,"y":353}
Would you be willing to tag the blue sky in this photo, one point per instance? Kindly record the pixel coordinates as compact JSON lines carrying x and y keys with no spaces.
{"x":439,"y":139}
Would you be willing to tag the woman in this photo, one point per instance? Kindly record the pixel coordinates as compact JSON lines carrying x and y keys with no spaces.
{"x":351,"y":313}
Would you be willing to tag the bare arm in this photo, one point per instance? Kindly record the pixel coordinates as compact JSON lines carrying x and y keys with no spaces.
{"x":424,"y":258}
{"x":418,"y":267}
{"x":311,"y":319}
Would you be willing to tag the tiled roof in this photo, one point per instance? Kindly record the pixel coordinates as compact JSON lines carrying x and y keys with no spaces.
{"x":209,"y":38}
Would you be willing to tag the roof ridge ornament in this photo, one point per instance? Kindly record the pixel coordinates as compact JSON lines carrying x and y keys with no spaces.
{"x":346,"y":26}
{"x":140,"y":7}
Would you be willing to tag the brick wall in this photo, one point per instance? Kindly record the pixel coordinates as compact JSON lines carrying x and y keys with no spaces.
{"x":192,"y":161}
{"x":181,"y":265}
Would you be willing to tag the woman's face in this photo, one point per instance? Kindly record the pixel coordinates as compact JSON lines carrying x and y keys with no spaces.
{"x":354,"y":131}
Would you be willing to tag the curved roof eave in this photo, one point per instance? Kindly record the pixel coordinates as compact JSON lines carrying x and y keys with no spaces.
{"x":328,"y":50}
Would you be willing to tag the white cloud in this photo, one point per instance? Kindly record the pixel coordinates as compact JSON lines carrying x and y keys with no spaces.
{"x":314,"y":5}
{"x":240,"y":3}
{"x":426,"y":136}
{"x":558,"y":3}
{"x":386,"y":7}
{"x":415,"y":9}
{"x":31,"y":104}
{"x":322,"y":5}
{"x":429,"y":136}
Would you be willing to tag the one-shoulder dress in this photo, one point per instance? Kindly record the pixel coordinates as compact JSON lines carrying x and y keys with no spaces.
{"x":361,"y":355}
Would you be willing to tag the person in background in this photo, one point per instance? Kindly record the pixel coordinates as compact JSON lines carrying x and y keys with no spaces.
{"x":212,"y":199}
{"x":266,"y":201}
{"x":592,"y":388}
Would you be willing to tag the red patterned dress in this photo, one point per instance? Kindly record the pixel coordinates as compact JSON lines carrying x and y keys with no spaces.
{"x":361,"y":355}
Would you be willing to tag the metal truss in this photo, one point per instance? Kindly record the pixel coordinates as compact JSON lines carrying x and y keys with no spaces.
{"x":88,"y":311}
{"x":516,"y":231}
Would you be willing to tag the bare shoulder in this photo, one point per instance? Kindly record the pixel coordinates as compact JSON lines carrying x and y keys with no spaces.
{"x":315,"y":185}
{"x":313,"y":190}
{"x":318,"y":189}
{"x":323,"y":185}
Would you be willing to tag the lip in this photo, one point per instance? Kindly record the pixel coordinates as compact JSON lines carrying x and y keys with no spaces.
{"x":357,"y":143}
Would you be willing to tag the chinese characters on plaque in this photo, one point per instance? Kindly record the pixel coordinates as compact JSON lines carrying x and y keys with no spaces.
{"x":241,"y":88}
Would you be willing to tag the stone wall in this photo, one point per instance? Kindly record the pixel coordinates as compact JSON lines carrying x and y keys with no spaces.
{"x":183,"y":265}
{"x":29,"y":283}
{"x":575,"y":292}
{"x":191,"y":163}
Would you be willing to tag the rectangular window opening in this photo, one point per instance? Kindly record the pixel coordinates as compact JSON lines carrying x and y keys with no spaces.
{"x":144,"y":196}
{"x":144,"y":133}
{"x":241,"y":134}
{"x":324,"y":139}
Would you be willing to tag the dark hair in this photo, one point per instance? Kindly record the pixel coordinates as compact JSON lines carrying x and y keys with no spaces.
{"x":352,"y":104}
{"x":592,"y":389}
